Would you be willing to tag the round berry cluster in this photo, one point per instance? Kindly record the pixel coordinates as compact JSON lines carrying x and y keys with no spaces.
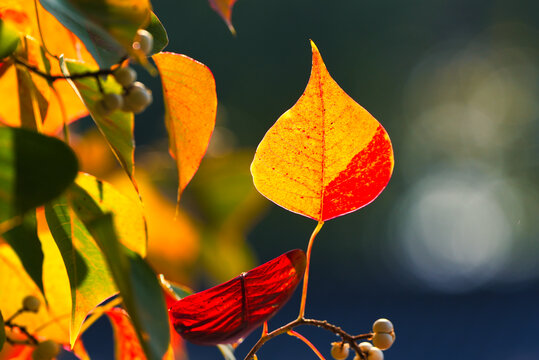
{"x":383,"y":336}
{"x":136,"y":97}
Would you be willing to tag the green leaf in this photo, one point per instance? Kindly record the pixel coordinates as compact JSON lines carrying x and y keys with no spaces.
{"x":2,"y":332}
{"x":160,"y":37}
{"x":138,"y":285}
{"x":34,"y":169}
{"x":89,"y":278}
{"x":116,"y":127}
{"x":9,"y":39}
{"x":106,"y":27}
{"x":129,"y":220}
{"x":24,"y":241}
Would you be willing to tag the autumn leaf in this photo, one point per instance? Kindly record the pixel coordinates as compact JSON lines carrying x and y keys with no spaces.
{"x":118,"y":126}
{"x":224,"y":8}
{"x":326,"y":156}
{"x":51,"y":321}
{"x":230,"y":311}
{"x":106,"y":27}
{"x":22,"y":14}
{"x":190,"y":109}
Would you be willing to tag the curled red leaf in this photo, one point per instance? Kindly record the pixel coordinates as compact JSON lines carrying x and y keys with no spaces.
{"x":230,"y":311}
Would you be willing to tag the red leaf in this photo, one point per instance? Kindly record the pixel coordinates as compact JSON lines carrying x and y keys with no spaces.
{"x":230,"y":311}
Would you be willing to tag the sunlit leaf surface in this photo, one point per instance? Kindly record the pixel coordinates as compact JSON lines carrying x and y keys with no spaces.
{"x":22,"y":13}
{"x":89,"y":278}
{"x":24,"y":241}
{"x":141,"y":293}
{"x":326,"y":156}
{"x":190,"y":109}
{"x":116,"y":127}
{"x":230,"y":311}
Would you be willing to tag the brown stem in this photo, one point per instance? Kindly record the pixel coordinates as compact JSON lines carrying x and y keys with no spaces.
{"x":347,"y":338}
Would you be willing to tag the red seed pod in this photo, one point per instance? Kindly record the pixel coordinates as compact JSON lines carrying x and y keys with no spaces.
{"x":230,"y":311}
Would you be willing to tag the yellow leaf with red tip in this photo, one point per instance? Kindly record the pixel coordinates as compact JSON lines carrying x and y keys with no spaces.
{"x":326,"y":156}
{"x":224,"y":8}
{"x":190,"y":109}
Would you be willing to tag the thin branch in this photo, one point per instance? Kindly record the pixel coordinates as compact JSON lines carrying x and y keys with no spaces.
{"x":52,"y":78}
{"x":350,"y":339}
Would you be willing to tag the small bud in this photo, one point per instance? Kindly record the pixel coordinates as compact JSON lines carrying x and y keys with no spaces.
{"x":382,"y":326}
{"x":375,"y":354}
{"x":31,"y":303}
{"x":113,"y":101}
{"x":46,"y":350}
{"x":382,"y":341}
{"x":125,"y":76}
{"x":339,"y":350}
{"x":143,"y":41}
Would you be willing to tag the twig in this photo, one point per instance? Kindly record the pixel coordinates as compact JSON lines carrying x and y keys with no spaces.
{"x":350,"y":339}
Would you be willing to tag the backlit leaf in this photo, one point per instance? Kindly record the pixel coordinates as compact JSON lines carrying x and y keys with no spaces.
{"x":24,"y":241}
{"x":116,"y":127}
{"x":107,"y":27}
{"x":23,"y":15}
{"x":160,"y":37}
{"x":230,"y":311}
{"x":224,"y":8}
{"x":129,"y":220}
{"x":89,"y":278}
{"x":126,"y":344}
{"x":9,"y":38}
{"x":326,"y":156}
{"x":190,"y":109}
{"x":138,"y":285}
{"x":51,"y":321}
{"x":34,"y":169}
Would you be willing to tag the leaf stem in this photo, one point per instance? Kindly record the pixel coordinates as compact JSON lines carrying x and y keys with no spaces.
{"x":306,"y":341}
{"x":307,"y":266}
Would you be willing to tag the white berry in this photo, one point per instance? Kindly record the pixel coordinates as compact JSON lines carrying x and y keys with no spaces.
{"x":143,"y":41}
{"x":125,"y":76}
{"x":46,"y":350}
{"x":382,"y":341}
{"x":365,"y":347}
{"x":382,"y":326}
{"x":31,"y":303}
{"x":138,"y":98}
{"x":375,"y":354}
{"x":340,"y":351}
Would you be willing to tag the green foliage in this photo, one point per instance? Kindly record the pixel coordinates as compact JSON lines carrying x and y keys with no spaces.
{"x":138,"y":285}
{"x":106,"y":28}
{"x":89,"y":277}
{"x":160,"y":37}
{"x":117,"y":127}
{"x":9,"y":39}
{"x":34,"y":169}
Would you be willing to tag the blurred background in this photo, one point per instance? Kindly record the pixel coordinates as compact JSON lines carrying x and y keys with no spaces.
{"x":448,"y":251}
